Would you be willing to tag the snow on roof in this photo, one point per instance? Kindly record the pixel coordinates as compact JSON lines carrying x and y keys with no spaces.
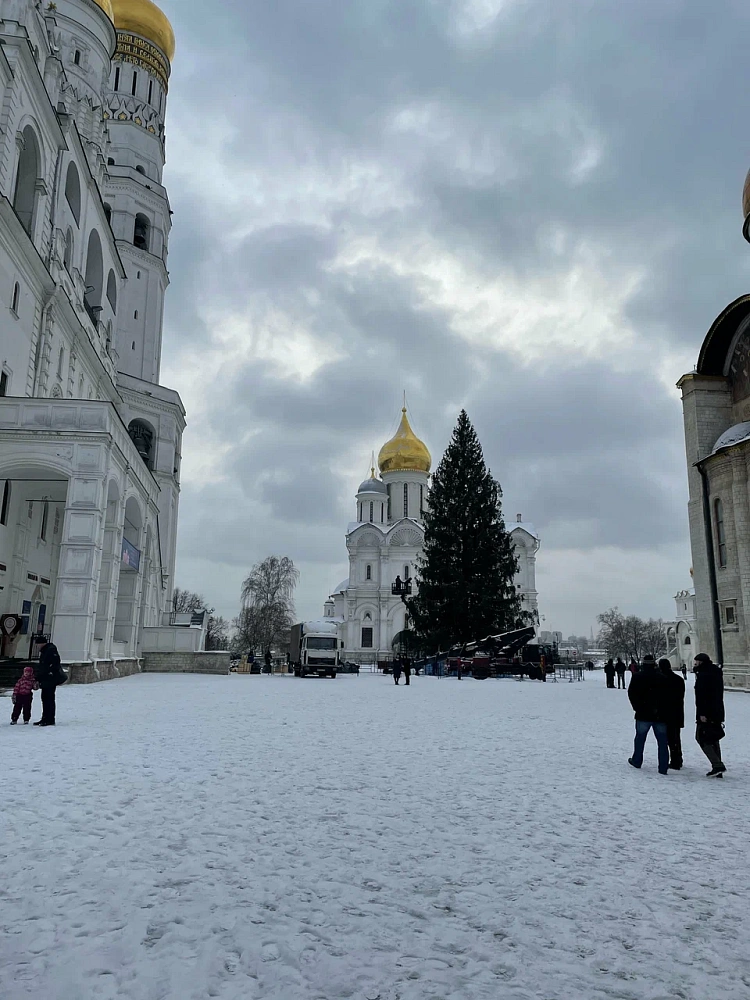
{"x":344,"y":585}
{"x":526,"y":526}
{"x":735,"y":435}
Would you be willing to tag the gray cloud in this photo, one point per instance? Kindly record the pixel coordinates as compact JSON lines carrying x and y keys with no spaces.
{"x":356,"y":187}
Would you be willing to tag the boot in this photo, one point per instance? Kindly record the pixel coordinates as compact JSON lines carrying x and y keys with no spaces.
{"x":717,"y":771}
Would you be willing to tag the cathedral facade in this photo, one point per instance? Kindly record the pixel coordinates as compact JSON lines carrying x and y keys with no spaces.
{"x":90,"y":441}
{"x":384,"y":543}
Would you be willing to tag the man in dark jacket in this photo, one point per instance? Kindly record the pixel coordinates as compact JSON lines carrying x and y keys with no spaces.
{"x":48,"y":677}
{"x":709,"y":711}
{"x":647,"y":693}
{"x":620,"y":668}
{"x":675,"y":713}
{"x":609,"y":673}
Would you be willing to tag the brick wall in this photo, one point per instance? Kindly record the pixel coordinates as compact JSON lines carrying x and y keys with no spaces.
{"x":101,"y":670}
{"x":186,"y":663}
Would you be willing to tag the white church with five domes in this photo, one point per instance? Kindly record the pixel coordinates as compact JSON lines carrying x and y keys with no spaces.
{"x":385,"y":541}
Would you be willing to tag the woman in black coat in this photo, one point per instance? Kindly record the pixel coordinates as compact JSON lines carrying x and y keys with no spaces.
{"x":674,"y":705}
{"x":609,"y":671}
{"x":709,"y":711}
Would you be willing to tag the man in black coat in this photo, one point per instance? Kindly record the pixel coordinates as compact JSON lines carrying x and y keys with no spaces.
{"x":648,"y":696}
{"x":48,"y":677}
{"x":709,"y":711}
{"x":620,"y":668}
{"x":675,"y":713}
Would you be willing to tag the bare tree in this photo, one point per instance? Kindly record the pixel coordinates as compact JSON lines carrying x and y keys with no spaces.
{"x":184,"y":601}
{"x":267,"y":605}
{"x":217,"y":633}
{"x":631,"y":636}
{"x":217,"y":628}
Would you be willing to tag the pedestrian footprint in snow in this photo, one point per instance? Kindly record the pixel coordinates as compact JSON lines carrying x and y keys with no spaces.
{"x":709,"y":711}
{"x":23,"y":696}
{"x":675,"y":712}
{"x":648,"y":696}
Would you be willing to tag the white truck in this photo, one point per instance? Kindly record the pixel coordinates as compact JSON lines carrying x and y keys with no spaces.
{"x":314,"y":650}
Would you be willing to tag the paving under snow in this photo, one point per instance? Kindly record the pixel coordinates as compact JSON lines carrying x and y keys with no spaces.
{"x":253,"y":837}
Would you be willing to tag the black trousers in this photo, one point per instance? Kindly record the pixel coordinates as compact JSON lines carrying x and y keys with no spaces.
{"x":407,"y":675}
{"x":674,"y":739}
{"x":48,"y":706}
{"x":712,"y":751}
{"x":621,"y":679}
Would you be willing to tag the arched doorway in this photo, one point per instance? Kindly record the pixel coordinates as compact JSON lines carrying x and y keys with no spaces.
{"x":27,"y":178}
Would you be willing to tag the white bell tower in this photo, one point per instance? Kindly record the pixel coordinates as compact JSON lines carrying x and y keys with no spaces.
{"x":136,"y":201}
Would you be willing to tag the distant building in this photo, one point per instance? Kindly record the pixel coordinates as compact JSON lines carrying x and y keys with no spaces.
{"x":385,"y":541}
{"x":681,"y":634}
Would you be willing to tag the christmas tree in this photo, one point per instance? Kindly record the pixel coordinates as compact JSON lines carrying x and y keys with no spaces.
{"x":466,"y":573}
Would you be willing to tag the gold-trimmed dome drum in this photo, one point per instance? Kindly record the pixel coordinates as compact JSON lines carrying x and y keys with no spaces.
{"x":142,"y":17}
{"x":404,"y":452}
{"x":106,"y":6}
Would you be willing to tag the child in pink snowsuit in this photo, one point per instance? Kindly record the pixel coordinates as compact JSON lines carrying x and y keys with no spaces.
{"x":23,"y":695}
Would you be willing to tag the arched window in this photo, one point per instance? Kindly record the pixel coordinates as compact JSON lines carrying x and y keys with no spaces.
{"x":382,"y":512}
{"x":111,"y":159}
{"x":112,"y":290}
{"x":94,"y":276}
{"x":142,"y":436}
{"x":359,"y":517}
{"x":108,"y":213}
{"x":687,"y":640}
{"x":80,"y":387}
{"x":721,"y":538}
{"x":77,"y":58}
{"x":68,"y":255}
{"x":142,"y":232}
{"x":372,"y":511}
{"x":388,"y":489}
{"x":45,"y":521}
{"x":117,"y":83}
{"x":406,"y":573}
{"x":60,"y":362}
{"x":16,"y":298}
{"x":406,"y":499}
{"x":150,"y":91}
{"x":134,"y":88}
{"x":73,"y":192}
{"x":368,"y":575}
{"x":5,"y":510}
{"x":140,"y":170}
{"x":29,"y":173}
{"x":421,"y":499}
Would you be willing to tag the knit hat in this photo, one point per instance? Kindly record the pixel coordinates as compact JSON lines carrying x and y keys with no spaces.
{"x":28,"y":672}
{"x":648,"y":658}
{"x":703,"y":658}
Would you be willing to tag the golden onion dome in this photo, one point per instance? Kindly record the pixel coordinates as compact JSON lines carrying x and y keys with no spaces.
{"x":404,"y":452}
{"x":106,"y":6}
{"x":142,"y":17}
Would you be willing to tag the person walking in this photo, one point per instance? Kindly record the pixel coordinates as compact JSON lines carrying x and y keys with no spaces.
{"x":684,"y":671}
{"x":609,"y":673}
{"x":647,"y":694}
{"x":23,"y":696}
{"x":407,"y":670}
{"x":675,"y":712}
{"x":396,"y":671}
{"x":709,"y":711}
{"x":620,"y":668}
{"x":48,"y":675}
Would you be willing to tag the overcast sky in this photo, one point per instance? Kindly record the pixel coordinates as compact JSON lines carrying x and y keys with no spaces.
{"x":528,"y":208}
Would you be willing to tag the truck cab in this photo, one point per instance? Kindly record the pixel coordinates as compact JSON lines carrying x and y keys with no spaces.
{"x":315,"y":649}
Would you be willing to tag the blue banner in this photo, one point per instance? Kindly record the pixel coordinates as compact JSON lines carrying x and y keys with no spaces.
{"x":131,"y":556}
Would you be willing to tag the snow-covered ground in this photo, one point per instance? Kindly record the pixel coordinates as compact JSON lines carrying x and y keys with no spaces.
{"x":253,"y":837}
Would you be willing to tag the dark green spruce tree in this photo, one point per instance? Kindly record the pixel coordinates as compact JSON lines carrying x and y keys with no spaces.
{"x":468,"y":564}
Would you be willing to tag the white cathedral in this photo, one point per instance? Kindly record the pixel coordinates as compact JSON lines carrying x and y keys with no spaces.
{"x":385,"y":541}
{"x":90,"y":442}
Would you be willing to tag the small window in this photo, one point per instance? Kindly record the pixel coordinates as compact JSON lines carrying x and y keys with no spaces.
{"x":138,"y":275}
{"x":110,"y":161}
{"x":117,"y":83}
{"x":150,"y":91}
{"x":140,"y":170}
{"x":134,"y":88}
{"x":406,"y":499}
{"x":366,"y":638}
{"x":73,"y":191}
{"x":135,"y":314}
{"x":5,"y":509}
{"x":388,"y":490}
{"x":730,"y":616}
{"x":372,"y":512}
{"x":16,"y":297}
{"x":77,"y":58}
{"x":421,"y":499}
{"x":382,"y":512}
{"x":359,"y":512}
{"x":45,"y":521}
{"x":368,"y":574}
{"x":687,"y":640}
{"x":3,"y":383}
{"x":721,"y":538}
{"x":60,"y":362}
{"x":108,"y":213}
{"x":406,"y":572}
{"x":112,"y":290}
{"x":141,"y":232}
{"x":133,"y":347}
